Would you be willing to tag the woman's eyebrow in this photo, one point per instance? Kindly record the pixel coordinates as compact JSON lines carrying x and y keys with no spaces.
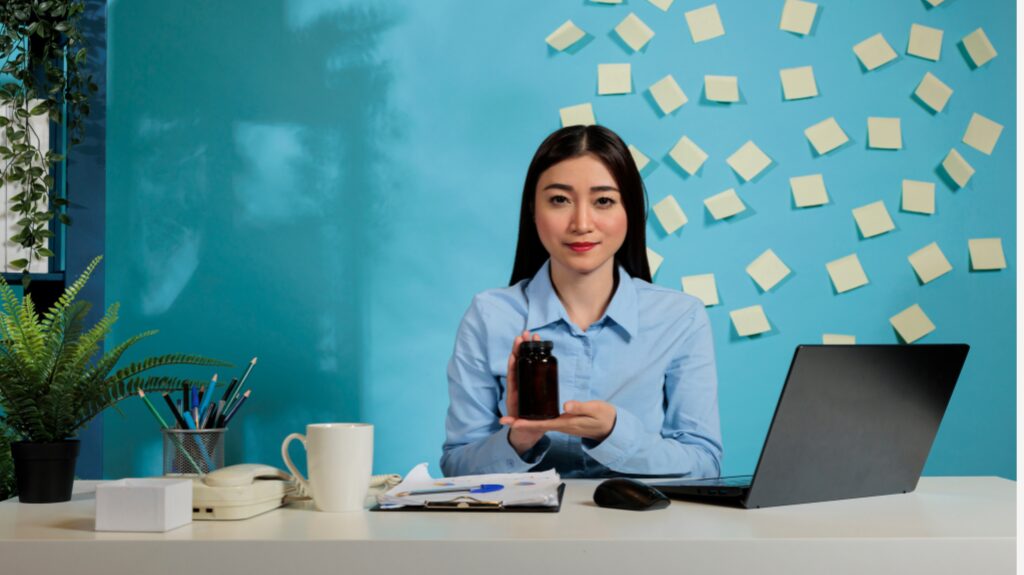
{"x":568,"y":188}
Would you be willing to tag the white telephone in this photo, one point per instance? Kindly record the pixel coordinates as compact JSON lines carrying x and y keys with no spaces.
{"x":245,"y":490}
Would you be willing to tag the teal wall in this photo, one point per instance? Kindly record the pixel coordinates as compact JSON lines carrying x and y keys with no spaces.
{"x":325,"y":185}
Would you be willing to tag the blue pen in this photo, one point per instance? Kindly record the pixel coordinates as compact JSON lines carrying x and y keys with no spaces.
{"x":194,"y":404}
{"x":206,"y":398}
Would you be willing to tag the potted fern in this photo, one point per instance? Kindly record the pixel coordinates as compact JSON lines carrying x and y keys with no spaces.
{"x":54,"y":378}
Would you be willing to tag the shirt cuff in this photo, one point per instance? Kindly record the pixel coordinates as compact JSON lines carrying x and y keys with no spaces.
{"x":619,"y":444}
{"x":507,"y":456}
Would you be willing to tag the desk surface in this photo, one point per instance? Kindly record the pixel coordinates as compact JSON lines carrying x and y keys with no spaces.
{"x":950,"y":524}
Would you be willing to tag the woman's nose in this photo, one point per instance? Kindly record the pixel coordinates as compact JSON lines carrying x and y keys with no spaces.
{"x":581,"y":219}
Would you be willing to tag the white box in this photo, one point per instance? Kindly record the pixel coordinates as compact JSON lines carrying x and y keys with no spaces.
{"x":149,"y":504}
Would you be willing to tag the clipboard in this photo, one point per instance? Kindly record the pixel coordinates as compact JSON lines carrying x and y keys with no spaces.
{"x":470,"y":503}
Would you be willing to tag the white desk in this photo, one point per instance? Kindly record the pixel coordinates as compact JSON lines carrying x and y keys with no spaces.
{"x":952,"y":525}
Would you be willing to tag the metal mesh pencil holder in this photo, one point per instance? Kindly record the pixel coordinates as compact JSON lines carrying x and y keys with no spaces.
{"x":193,"y":451}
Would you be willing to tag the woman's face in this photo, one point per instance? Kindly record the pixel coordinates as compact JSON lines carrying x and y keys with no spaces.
{"x":579,"y":215}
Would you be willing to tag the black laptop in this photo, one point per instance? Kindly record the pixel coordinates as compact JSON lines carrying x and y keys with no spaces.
{"x":852,"y":421}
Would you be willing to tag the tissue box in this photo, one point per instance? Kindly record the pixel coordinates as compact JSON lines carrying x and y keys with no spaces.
{"x":143,"y":504}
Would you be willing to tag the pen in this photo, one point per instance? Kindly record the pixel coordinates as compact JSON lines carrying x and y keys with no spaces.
{"x":174,"y":411}
{"x":215,"y":420}
{"x":194,"y":406}
{"x":482,"y":488}
{"x":237,"y":405}
{"x":231,"y":389}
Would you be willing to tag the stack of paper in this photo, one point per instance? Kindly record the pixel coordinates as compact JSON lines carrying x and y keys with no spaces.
{"x":511,"y":489}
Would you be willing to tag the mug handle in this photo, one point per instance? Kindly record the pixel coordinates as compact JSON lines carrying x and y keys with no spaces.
{"x":291,"y":466}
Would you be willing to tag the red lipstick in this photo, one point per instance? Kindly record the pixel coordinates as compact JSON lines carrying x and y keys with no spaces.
{"x":582,"y":246}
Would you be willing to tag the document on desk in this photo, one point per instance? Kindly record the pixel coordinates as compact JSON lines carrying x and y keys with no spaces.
{"x":493,"y":491}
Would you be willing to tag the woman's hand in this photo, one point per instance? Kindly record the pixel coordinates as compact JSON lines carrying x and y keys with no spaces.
{"x":589,"y":419}
{"x":521,"y":439}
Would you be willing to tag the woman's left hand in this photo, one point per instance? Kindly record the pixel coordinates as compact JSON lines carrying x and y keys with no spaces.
{"x":589,"y":419}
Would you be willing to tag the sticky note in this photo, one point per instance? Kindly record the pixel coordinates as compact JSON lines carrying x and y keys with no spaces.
{"x":704,"y":23}
{"x":837,"y":339}
{"x":982,"y":133}
{"x":912,"y":324}
{"x":724,"y":205}
{"x":846,"y":273}
{"x":767,"y":270}
{"x":873,"y":219}
{"x":654,"y":260}
{"x":874,"y":52}
{"x":979,"y":48}
{"x":826,"y":136}
{"x":688,"y":155}
{"x":935,"y":2}
{"x":639,"y":158}
{"x":722,"y":88}
{"x":798,"y":16}
{"x":750,"y":321}
{"x":884,"y":133}
{"x":986,"y":254}
{"x":670,"y":214}
{"x":668,"y":94}
{"x":564,"y":36}
{"x":933,"y":92}
{"x":634,"y":32}
{"x":925,"y":42}
{"x":614,"y":79}
{"x":929,"y":262}
{"x":606,"y":1}
{"x":957,"y":168}
{"x":749,"y":161}
{"x":918,"y":197}
{"x":702,"y":286}
{"x":798,"y":83}
{"x":663,"y":5}
{"x":579,"y":115}
{"x":808,"y":190}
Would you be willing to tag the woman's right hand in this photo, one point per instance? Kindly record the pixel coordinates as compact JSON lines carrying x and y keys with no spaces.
{"x":522,"y":440}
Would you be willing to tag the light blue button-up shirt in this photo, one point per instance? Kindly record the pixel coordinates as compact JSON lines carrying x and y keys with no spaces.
{"x":650,"y":355}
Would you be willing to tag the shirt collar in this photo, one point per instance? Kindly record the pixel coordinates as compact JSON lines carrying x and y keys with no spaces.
{"x":545,"y":308}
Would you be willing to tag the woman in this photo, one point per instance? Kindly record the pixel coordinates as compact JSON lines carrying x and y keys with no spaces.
{"x":636,"y":361}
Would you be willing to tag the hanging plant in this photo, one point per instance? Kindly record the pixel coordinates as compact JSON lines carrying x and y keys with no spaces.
{"x":41,"y":49}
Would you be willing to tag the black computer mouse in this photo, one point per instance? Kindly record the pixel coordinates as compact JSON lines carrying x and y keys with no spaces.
{"x":623,"y":493}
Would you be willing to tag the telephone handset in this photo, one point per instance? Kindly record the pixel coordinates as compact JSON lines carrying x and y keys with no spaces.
{"x":248,"y":489}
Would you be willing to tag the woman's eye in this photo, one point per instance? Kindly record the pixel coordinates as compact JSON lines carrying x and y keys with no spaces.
{"x":558,"y":200}
{"x":605,"y":202}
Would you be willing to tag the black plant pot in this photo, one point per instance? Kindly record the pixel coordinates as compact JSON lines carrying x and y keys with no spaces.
{"x":45,"y":471}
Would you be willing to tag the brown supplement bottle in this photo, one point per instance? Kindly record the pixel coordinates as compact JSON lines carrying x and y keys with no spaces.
{"x":537,"y":372}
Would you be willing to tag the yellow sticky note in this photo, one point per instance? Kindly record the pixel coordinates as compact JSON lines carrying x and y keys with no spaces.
{"x":982,"y":134}
{"x":935,"y":2}
{"x":837,"y":339}
{"x":722,"y":88}
{"x":663,"y":5}
{"x":798,"y":16}
{"x":918,"y":197}
{"x":668,"y":94}
{"x":564,"y":36}
{"x":670,"y":214}
{"x":614,"y":79}
{"x":884,"y":133}
{"x":749,"y":161}
{"x":808,"y":190}
{"x":654,"y":260}
{"x":688,"y":155}
{"x":925,"y":42}
{"x":874,"y":52}
{"x":634,"y":32}
{"x":846,"y":273}
{"x":979,"y":48}
{"x":873,"y":219}
{"x":933,"y":92}
{"x":639,"y":158}
{"x":704,"y":23}
{"x":750,"y":321}
{"x":702,"y":286}
{"x":957,"y":168}
{"x":579,"y":115}
{"x":929,"y":262}
{"x":725,"y":204}
{"x":912,"y":324}
{"x":986,"y":254}
{"x":767,"y":270}
{"x":798,"y":83}
{"x":826,"y":136}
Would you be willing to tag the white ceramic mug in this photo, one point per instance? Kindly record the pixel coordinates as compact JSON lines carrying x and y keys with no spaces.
{"x":339,"y":457}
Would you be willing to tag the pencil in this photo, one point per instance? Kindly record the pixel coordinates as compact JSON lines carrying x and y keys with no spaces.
{"x":245,"y":375}
{"x":156,"y":414}
{"x":234,"y":409}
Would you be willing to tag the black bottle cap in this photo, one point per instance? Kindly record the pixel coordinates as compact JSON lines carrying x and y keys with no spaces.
{"x":536,"y":347}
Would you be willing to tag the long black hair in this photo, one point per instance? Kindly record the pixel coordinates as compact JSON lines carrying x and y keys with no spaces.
{"x":604,"y":144}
